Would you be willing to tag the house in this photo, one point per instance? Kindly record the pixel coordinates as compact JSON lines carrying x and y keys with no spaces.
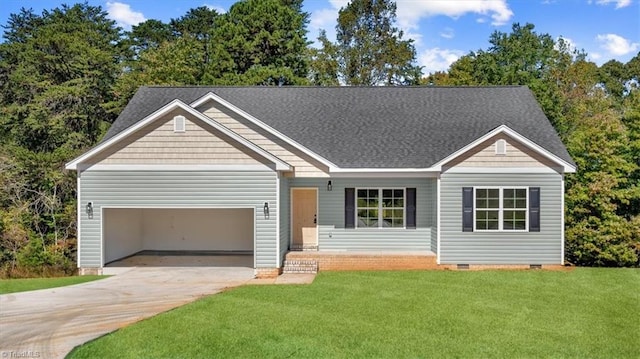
{"x":467,"y":175}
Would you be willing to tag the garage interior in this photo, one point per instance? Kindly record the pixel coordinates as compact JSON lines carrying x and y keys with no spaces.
{"x":178,"y":236}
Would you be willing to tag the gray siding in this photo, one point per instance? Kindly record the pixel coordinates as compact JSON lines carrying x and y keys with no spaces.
{"x":186,"y":189}
{"x":542,"y":247}
{"x":285,"y":217}
{"x":434,"y":216}
{"x":333,"y":236}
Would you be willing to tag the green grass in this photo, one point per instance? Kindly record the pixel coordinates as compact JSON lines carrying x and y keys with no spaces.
{"x":23,"y":285}
{"x":585,"y":313}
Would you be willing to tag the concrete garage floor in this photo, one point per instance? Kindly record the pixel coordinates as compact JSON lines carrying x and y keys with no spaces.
{"x":167,"y":259}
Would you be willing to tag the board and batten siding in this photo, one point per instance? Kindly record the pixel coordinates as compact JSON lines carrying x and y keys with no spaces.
{"x":158,"y":143}
{"x":304,"y":165}
{"x":458,"y":247}
{"x":178,"y":189}
{"x":333,"y":236}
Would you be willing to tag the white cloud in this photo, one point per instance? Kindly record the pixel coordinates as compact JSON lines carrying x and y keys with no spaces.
{"x":616,"y":45}
{"x":410,"y":11}
{"x":447,"y":33}
{"x":437,"y":59}
{"x":595,"y":56}
{"x":619,"y":3}
{"x":123,"y":15}
{"x":217,"y":8}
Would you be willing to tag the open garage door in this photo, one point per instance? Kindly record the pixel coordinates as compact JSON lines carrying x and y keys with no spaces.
{"x":127,"y":231}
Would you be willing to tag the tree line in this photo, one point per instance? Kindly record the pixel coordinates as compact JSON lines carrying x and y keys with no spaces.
{"x":65,"y":75}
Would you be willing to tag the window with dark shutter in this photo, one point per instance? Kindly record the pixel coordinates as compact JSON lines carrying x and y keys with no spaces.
{"x":411,"y":208}
{"x":349,"y":208}
{"x":534,"y":209}
{"x":467,"y":209}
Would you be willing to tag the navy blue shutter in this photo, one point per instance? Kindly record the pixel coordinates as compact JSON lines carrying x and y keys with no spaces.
{"x":349,"y":208}
{"x":534,"y":209}
{"x":411,"y":208}
{"x":467,"y":209}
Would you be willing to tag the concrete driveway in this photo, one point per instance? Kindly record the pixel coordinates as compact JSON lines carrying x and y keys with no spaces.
{"x":49,"y":323}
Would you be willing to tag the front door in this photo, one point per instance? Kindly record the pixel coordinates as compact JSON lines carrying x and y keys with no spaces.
{"x":304,"y":218}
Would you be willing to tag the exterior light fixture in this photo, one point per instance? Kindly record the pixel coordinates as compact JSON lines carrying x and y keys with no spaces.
{"x":329,"y":186}
{"x":266,"y":210}
{"x":90,"y":210}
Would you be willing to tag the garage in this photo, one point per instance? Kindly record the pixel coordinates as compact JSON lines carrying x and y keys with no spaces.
{"x":202,"y":231}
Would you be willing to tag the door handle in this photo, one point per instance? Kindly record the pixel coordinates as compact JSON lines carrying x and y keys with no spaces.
{"x":315,"y":219}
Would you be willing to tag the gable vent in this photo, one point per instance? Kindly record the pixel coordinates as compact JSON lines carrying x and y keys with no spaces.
{"x":179,"y":124}
{"x":501,"y":147}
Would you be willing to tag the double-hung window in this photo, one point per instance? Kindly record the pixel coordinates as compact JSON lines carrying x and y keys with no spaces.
{"x":501,"y":209}
{"x":380,"y":208}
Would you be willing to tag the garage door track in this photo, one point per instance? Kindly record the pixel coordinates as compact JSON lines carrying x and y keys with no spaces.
{"x":49,"y":323}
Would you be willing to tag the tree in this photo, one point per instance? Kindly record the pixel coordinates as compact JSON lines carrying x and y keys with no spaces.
{"x":369,"y":49}
{"x":56,"y":72}
{"x":266,"y":34}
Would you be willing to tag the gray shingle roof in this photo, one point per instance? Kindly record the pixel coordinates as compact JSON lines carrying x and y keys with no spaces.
{"x":372,"y":127}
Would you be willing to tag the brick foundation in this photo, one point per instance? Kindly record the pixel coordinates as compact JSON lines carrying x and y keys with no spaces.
{"x":262,"y":273}
{"x":336,"y":261}
{"x":366,"y":261}
{"x":89,"y":271}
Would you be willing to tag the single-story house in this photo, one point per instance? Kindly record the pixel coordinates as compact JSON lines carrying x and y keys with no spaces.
{"x":472,"y":175}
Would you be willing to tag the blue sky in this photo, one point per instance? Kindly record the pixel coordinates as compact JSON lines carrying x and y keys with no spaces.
{"x":443,"y":30}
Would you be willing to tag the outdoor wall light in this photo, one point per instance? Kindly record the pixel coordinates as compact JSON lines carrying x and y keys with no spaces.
{"x":266,"y":210}
{"x":329,"y":186}
{"x":90,"y":210}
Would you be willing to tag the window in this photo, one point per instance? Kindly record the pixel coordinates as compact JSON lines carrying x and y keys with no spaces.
{"x":498,"y":209}
{"x":380,"y":208}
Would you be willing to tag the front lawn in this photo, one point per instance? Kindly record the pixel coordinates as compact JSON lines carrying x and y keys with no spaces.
{"x":23,"y":285}
{"x":584,"y":313}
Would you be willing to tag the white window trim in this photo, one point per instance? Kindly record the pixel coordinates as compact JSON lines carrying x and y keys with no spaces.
{"x":501,"y":209}
{"x":179,"y":119}
{"x":379,"y":189}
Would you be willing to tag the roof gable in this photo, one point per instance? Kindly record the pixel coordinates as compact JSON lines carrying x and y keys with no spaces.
{"x":371,"y":127}
{"x":158,"y":114}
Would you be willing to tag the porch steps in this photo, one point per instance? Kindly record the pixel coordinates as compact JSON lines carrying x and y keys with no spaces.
{"x":300,"y":266}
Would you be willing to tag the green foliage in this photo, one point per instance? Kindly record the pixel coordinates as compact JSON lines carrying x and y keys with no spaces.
{"x":369,"y":49}
{"x":266,"y":33}
{"x":57,"y":71}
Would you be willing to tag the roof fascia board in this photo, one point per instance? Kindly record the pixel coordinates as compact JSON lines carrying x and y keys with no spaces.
{"x":264,"y":126}
{"x":177,"y":104}
{"x":383,"y":172}
{"x":567,"y":167}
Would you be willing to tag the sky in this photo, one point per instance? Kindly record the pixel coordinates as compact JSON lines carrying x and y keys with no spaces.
{"x":442,"y":30}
